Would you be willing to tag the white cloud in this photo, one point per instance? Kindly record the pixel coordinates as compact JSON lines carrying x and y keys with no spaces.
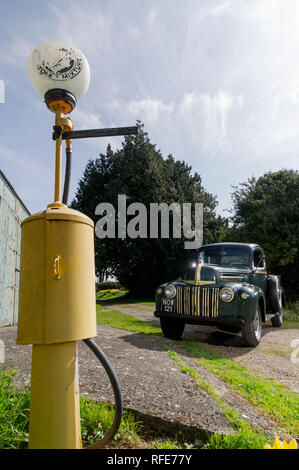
{"x":152,"y":17}
{"x":85,"y":119}
{"x":206,"y":119}
{"x":151,"y":110}
{"x":216,"y":83}
{"x":214,"y":10}
{"x":17,"y":52}
{"x":200,"y":117}
{"x":134,"y":32}
{"x":85,"y":26}
{"x":11,"y":157}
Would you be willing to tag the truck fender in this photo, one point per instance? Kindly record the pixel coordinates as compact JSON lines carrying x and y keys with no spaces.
{"x":260,"y":299}
{"x":257,"y":298}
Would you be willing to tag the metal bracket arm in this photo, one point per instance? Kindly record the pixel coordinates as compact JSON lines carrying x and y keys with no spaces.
{"x":99,"y":132}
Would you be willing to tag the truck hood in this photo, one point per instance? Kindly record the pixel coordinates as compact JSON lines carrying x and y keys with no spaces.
{"x":218,"y":274}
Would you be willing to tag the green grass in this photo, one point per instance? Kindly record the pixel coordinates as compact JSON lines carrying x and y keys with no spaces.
{"x":136,"y":306}
{"x":166,"y":444}
{"x":125,"y":297}
{"x":291,"y":315}
{"x":14,"y":412}
{"x":174,"y":443}
{"x":126,"y":322}
{"x":277,"y":352}
{"x":244,"y":438}
{"x":96,"y":418}
{"x":275,"y":399}
{"x":102,"y":295}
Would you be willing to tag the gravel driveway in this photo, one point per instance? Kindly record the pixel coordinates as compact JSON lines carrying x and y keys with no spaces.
{"x":271,"y":358}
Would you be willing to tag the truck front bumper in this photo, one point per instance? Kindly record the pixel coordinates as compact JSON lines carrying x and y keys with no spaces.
{"x":200,"y":320}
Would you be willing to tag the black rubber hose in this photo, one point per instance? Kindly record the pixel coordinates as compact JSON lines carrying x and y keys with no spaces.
{"x":117,"y":395}
{"x":67,"y":175}
{"x":92,"y":345}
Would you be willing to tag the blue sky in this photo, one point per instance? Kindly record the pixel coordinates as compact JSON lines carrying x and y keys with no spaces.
{"x":216,"y":84}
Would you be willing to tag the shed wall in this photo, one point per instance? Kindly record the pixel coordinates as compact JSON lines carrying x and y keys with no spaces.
{"x":12,"y":212}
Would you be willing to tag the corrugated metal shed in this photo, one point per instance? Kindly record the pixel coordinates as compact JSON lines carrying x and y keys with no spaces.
{"x":12,"y":212}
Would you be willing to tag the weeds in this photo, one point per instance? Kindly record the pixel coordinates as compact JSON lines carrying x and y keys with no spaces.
{"x":14,"y":412}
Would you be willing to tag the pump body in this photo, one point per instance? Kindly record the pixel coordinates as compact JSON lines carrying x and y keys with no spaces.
{"x":57,"y":308}
{"x":57,"y":283}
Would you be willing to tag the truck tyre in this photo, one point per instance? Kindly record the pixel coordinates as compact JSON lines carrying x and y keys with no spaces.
{"x":275,"y":294}
{"x":172,"y":328}
{"x":277,"y":320}
{"x":252,"y":332}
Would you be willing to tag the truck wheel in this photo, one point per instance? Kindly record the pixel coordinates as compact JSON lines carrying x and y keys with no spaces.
{"x":172,"y":328}
{"x":275,"y":294}
{"x":252,"y":332}
{"x":277,"y":320}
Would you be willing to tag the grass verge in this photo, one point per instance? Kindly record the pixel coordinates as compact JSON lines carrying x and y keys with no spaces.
{"x":96,"y":420}
{"x":273,"y":398}
{"x":126,"y":322}
{"x":291,"y":316}
{"x":14,"y":412}
{"x":111,"y":296}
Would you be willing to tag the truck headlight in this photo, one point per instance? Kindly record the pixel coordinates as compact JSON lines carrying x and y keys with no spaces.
{"x":170,"y":291}
{"x":226,"y":294}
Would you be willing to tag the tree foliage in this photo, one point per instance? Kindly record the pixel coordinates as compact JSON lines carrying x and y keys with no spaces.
{"x":266,"y":211}
{"x":139,"y":171}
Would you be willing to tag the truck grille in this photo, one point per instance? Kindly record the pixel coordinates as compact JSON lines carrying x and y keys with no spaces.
{"x":197,"y":301}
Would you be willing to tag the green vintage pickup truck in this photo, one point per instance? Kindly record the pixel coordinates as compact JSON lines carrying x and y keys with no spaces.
{"x":227,"y":286}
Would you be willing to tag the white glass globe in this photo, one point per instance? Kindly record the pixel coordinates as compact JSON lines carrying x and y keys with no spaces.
{"x":58,"y":65}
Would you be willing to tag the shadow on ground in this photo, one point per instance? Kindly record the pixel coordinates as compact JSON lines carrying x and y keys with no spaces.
{"x":217,"y":338}
{"x":137,"y":341}
{"x":212,"y":336}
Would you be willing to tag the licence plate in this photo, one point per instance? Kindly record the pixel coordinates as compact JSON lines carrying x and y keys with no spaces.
{"x":167,"y":305}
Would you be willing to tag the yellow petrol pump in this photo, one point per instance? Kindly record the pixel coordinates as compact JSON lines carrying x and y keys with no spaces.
{"x":57,"y":305}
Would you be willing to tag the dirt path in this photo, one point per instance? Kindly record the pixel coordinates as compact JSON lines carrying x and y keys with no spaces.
{"x":153,"y":384}
{"x":272,"y":358}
